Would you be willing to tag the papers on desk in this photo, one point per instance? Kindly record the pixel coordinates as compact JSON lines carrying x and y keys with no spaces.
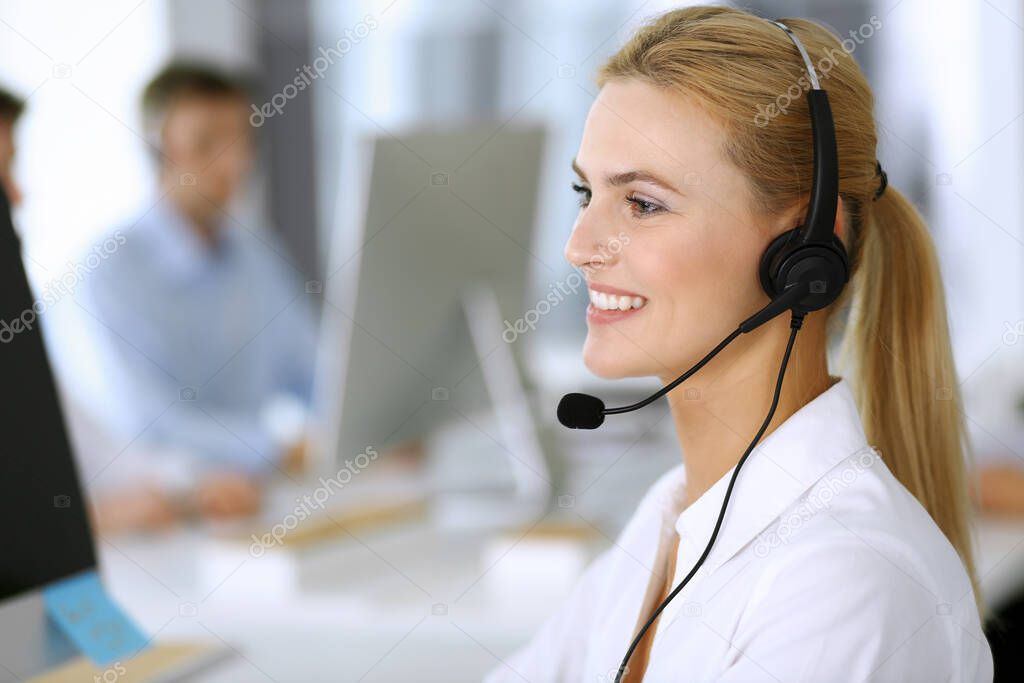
{"x":278,"y":560}
{"x":156,"y":664}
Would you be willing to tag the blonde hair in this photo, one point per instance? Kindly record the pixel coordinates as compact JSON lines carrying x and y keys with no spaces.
{"x":747,"y":75}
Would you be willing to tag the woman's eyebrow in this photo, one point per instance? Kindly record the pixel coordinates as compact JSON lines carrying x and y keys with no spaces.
{"x":626,"y":177}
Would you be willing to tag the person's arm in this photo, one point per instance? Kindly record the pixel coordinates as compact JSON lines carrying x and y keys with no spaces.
{"x":296,"y":339}
{"x":1000,"y":489}
{"x":142,"y":489}
{"x":287,"y":413}
{"x":126,"y":490}
{"x":153,"y":406}
{"x":221,"y":440}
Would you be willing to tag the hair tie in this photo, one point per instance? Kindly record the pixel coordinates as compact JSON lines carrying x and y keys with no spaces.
{"x":884,"y":182}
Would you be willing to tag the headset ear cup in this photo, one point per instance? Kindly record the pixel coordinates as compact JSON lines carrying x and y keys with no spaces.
{"x":771,"y":259}
{"x":825,"y":267}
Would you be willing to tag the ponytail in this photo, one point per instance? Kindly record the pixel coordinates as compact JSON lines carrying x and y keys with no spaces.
{"x":905,"y":381}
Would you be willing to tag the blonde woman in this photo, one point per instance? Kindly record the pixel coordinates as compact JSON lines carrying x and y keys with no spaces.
{"x":845,"y":552}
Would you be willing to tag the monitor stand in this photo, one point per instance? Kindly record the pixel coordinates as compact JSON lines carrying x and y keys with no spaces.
{"x":494,"y":505}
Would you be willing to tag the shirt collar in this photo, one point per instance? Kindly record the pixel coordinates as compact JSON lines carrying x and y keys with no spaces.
{"x":182,"y":251}
{"x":786,"y":463}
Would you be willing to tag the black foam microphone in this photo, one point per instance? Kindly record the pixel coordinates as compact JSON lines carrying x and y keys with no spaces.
{"x":583,"y":411}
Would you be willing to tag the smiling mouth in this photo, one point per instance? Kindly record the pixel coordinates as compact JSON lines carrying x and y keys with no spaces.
{"x":615,"y":302}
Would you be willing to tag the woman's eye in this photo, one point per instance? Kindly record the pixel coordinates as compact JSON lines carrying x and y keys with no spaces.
{"x":642,"y":207}
{"x":583,"y":194}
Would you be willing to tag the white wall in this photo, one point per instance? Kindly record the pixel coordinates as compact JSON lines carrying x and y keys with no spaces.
{"x":951,"y":101}
{"x":80,"y":160}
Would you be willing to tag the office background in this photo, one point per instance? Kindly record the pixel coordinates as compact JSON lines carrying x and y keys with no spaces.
{"x":949,"y":83}
{"x":948,"y":88}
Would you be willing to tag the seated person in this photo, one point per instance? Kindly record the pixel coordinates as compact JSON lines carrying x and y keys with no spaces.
{"x":10,"y":111}
{"x":148,"y":487}
{"x":204,"y":327}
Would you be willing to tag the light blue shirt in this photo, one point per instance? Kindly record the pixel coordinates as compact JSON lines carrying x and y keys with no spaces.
{"x":199,"y":339}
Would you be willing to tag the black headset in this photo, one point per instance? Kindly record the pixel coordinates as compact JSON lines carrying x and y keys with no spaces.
{"x":812,"y":252}
{"x":802,"y":270}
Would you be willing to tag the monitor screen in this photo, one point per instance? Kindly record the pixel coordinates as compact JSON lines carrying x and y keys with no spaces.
{"x":45,"y":533}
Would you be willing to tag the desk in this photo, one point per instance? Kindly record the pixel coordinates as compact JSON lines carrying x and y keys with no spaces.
{"x":415,"y":603}
{"x":409,"y":604}
{"x":428,"y":615}
{"x":425,"y":614}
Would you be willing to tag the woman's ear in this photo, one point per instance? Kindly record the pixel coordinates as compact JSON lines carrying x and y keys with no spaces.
{"x":792,"y":217}
{"x":840,"y":221}
{"x":796,"y":215}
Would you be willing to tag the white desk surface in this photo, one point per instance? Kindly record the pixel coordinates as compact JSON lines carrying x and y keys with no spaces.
{"x":430,"y":613}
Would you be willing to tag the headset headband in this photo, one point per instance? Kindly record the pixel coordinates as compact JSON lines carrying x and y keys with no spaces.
{"x":821,"y":212}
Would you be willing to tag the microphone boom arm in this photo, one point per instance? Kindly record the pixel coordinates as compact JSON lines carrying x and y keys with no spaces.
{"x":785,"y":301}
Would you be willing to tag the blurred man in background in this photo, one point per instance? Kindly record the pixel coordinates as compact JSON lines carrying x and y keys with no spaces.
{"x":133,"y":503}
{"x":10,"y":110}
{"x":205,"y":326}
{"x":159,"y":482}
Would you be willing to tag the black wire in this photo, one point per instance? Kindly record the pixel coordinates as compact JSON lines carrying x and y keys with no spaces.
{"x":674,"y":383}
{"x":795,"y":324}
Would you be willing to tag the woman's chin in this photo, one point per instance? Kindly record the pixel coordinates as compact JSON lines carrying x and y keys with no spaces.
{"x":608,"y":364}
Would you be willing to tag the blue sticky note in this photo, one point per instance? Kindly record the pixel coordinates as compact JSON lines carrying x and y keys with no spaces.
{"x":91,"y":620}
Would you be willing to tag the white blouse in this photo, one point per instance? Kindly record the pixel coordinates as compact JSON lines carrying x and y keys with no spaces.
{"x":826,"y":569}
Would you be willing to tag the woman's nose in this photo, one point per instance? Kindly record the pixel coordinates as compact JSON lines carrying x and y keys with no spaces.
{"x":588,"y":246}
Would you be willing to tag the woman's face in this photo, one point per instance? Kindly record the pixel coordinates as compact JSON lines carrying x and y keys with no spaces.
{"x":664,"y":233}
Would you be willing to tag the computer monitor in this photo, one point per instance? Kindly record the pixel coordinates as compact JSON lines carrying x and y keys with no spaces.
{"x":41,"y":499}
{"x":47,"y":534}
{"x":417,"y":303}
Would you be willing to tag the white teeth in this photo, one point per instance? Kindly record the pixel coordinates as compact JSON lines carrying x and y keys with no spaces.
{"x":615,"y":302}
